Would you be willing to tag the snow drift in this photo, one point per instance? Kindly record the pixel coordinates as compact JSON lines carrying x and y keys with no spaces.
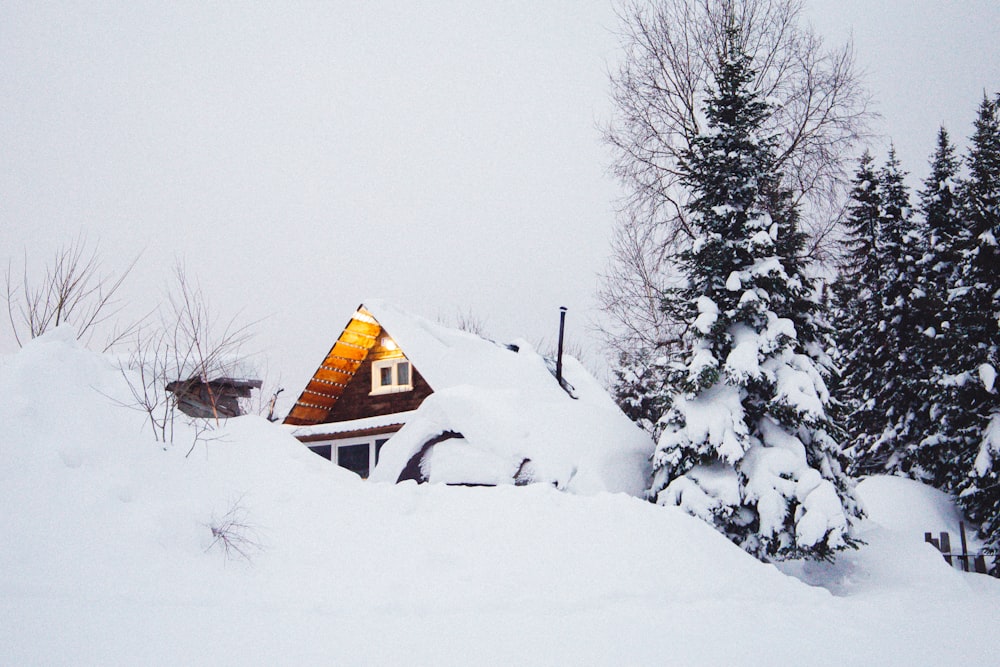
{"x":107,"y":557}
{"x":517,"y":424}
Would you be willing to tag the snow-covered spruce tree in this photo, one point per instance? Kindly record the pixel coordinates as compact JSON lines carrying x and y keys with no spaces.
{"x":668,"y":50}
{"x":880,"y":338}
{"x":933,"y":460}
{"x":939,"y":207}
{"x":639,"y":386}
{"x":747,"y":444}
{"x":974,"y":408}
{"x":906,"y":316}
{"x":858,"y":307}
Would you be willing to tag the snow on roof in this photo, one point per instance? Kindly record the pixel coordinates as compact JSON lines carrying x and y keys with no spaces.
{"x":448,"y":357}
{"x":507,"y":404}
{"x":314,"y":431}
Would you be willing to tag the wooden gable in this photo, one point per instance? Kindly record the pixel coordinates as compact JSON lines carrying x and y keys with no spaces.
{"x":340,"y":389}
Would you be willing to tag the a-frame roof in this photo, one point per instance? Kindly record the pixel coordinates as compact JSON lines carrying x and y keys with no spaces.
{"x":337,"y":369}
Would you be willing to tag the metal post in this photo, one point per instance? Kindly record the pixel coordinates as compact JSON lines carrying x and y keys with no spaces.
{"x":559,"y":352}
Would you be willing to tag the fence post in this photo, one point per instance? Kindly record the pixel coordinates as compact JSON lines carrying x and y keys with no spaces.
{"x":946,"y":547}
{"x":929,"y":538}
{"x":965,"y":548}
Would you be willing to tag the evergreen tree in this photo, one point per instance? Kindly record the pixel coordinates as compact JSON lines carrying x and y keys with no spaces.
{"x":747,"y":442}
{"x":901,"y":325}
{"x":880,"y":322}
{"x":973,"y":413}
{"x":939,"y":274}
{"x":857,"y":307}
{"x":639,"y":387}
{"x":939,"y":207}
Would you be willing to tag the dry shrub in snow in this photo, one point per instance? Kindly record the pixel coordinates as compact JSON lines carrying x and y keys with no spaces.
{"x":233,"y":535}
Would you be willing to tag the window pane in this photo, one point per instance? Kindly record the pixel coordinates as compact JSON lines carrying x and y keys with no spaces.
{"x":378,"y":447}
{"x":354,"y":458}
{"x":402,"y":373}
{"x":323,"y":450}
{"x":385,"y":376}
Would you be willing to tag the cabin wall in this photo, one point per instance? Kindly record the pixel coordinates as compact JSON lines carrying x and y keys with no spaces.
{"x":357,"y":401}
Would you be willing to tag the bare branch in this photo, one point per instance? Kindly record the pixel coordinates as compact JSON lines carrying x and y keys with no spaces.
{"x":820,"y":113}
{"x":233,"y":534}
{"x":187,"y":344}
{"x":73,"y":290}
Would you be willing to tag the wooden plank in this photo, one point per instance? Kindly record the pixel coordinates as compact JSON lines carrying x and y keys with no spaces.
{"x":348,"y":352}
{"x":332,"y":375}
{"x":965,"y":546}
{"x":336,"y":372}
{"x":313,"y":392}
{"x":946,"y":547}
{"x":330,"y":391}
{"x":307,"y":400}
{"x":366,"y":328}
{"x":302,"y":415}
{"x":345,"y":365}
{"x":321,"y":402}
{"x":359,"y":339}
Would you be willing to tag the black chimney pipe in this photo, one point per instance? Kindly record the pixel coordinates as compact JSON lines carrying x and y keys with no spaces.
{"x":559,"y":352}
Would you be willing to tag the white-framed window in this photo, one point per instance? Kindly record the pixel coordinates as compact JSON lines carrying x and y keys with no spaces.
{"x":359,"y":455}
{"x":391,"y":375}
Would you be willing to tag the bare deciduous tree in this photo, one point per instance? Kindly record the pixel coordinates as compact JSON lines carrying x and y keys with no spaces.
{"x":820,"y":112}
{"x":73,"y":290}
{"x":146,"y":372}
{"x":189,"y":343}
{"x":206,"y":349}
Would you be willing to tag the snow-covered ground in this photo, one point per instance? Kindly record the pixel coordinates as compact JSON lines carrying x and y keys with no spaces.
{"x":106,"y":557}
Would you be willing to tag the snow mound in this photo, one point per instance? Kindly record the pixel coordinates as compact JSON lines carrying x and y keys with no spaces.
{"x":895,"y":559}
{"x":908,"y":507}
{"x":107,"y":556}
{"x":517,"y":424}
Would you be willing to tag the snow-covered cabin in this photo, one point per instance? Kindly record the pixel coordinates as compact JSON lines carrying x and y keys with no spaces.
{"x":400,"y":397}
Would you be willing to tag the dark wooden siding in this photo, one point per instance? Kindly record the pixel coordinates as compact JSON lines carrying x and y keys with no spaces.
{"x":340,"y":389}
{"x":357,"y":402}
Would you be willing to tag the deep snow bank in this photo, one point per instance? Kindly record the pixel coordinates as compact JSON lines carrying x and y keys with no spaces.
{"x":106,"y":558}
{"x":515,"y":419}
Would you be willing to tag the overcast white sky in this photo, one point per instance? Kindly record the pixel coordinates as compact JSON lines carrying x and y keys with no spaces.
{"x":300,"y":157}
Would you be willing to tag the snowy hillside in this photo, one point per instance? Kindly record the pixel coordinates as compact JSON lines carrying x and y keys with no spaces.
{"x":107,"y":557}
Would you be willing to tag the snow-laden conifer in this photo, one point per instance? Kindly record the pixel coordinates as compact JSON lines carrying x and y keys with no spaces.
{"x":939,"y":207}
{"x":932,"y":460}
{"x":858,"y":305}
{"x":881,"y":320}
{"x":970,"y":424}
{"x":747,"y":442}
{"x":639,"y":386}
